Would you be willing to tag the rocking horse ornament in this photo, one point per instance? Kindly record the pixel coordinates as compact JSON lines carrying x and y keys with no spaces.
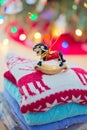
{"x":49,"y":56}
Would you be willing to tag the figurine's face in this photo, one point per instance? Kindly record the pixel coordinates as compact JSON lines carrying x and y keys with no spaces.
{"x":38,"y":50}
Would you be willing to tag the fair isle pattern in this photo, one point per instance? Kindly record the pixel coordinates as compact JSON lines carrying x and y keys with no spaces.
{"x":41,"y":92}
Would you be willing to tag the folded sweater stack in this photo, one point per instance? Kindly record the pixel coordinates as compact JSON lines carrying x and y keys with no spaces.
{"x":45,"y":102}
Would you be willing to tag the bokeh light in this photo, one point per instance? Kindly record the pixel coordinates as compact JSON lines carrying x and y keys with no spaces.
{"x":56,"y":33}
{"x":47,"y":37}
{"x":22,"y":37}
{"x":78,"y":32}
{"x":1,"y":19}
{"x":74,"y":7}
{"x":37,"y":37}
{"x":14,"y":29}
{"x":5,"y":42}
{"x":2,"y":2}
{"x":5,"y":8}
{"x":31,"y":1}
{"x":34,"y":17}
{"x":85,"y":5}
{"x":65,"y":44}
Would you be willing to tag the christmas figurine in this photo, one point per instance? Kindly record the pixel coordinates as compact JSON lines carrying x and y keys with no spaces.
{"x":48,"y":55}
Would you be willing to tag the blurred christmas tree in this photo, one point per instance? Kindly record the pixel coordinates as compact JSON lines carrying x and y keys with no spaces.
{"x":43,"y":20}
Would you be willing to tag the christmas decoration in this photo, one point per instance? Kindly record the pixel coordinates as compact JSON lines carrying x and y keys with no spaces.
{"x":13,"y":6}
{"x":49,"y":55}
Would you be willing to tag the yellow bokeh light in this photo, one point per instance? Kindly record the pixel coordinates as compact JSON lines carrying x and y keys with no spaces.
{"x":37,"y":37}
{"x":78,"y":32}
{"x":56,"y":32}
{"x":22,"y":37}
{"x":85,"y":5}
{"x":29,"y":13}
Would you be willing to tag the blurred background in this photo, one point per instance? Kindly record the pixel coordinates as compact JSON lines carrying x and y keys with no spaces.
{"x":60,"y":24}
